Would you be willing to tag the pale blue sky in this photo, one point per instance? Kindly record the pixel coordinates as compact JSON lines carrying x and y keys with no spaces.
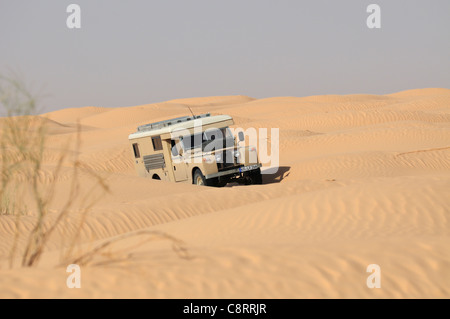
{"x":137,"y":52}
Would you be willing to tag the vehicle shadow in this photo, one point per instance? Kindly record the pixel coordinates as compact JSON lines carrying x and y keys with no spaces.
{"x":283,"y":172}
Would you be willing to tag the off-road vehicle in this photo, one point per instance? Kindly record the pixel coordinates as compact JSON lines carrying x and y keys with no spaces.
{"x":198,"y":149}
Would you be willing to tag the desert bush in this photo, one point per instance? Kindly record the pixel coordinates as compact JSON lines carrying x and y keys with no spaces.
{"x":22,"y":148}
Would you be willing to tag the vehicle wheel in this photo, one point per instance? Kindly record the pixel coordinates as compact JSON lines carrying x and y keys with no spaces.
{"x":256,"y":177}
{"x":216,"y":182}
{"x":199,"y":179}
{"x":221,"y":183}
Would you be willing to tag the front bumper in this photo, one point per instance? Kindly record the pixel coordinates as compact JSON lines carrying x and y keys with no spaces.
{"x":234,"y":171}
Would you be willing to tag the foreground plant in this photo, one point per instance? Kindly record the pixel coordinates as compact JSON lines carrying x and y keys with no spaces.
{"x":23,"y":146}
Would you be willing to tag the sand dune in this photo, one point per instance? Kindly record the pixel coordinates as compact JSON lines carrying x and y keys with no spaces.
{"x":363,"y":179}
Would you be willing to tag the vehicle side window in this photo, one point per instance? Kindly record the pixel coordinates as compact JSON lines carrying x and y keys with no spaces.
{"x":174,"y":148}
{"x":136,"y":150}
{"x":193,"y":141}
{"x":156,"y":141}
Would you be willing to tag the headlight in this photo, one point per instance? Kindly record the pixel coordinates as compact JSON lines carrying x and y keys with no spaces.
{"x":237,"y":154}
{"x":218,"y":158}
{"x":208,"y":159}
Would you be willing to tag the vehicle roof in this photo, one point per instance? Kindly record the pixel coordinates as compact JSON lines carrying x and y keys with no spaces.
{"x":180,"y":123}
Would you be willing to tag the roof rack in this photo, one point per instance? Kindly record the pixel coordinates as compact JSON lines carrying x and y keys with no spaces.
{"x":161,"y":124}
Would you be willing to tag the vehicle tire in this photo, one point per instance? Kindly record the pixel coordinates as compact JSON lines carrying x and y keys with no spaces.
{"x":256,"y":177}
{"x":221,"y":183}
{"x":199,"y":179}
{"x":215,"y":182}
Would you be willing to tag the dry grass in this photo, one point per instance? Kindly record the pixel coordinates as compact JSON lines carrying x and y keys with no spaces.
{"x":22,"y":144}
{"x":100,"y":250}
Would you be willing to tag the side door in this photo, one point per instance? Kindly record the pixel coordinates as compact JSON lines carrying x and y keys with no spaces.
{"x":178,"y":164}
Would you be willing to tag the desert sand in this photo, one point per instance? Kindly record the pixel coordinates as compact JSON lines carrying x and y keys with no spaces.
{"x":363,"y":179}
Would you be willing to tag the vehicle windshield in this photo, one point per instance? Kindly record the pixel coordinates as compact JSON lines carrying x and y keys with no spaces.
{"x":200,"y":139}
{"x":215,"y":133}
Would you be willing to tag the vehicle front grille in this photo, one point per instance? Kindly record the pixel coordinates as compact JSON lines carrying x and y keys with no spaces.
{"x":227,"y":160}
